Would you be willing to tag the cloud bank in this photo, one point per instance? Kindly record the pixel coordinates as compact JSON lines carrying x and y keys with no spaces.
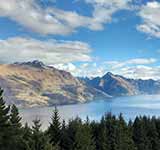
{"x":132,"y":68}
{"x":138,"y":68}
{"x":150,"y":14}
{"x":51,"y":20}
{"x":50,"y":51}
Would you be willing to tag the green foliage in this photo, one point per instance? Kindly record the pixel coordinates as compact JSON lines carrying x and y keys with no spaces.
{"x":27,"y":137}
{"x":16,"y":132}
{"x":111,"y":133}
{"x":4,"y":124}
{"x":83,"y":138}
{"x":140,"y":134}
{"x":124,"y":138}
{"x":54,"y":130}
{"x":64,"y":141}
{"x":37,"y":136}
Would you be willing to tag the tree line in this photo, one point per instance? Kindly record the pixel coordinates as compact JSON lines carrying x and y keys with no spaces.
{"x":110,"y":133}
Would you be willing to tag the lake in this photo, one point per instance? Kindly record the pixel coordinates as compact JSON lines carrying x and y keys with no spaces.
{"x":130,"y":107}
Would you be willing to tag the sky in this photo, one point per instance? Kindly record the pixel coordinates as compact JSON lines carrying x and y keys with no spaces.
{"x":84,"y":37}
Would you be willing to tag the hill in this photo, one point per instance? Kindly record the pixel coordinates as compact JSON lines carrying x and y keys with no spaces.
{"x":31,"y":84}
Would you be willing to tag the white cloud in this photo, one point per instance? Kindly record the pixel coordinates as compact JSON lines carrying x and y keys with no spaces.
{"x":83,"y":70}
{"x":51,"y":51}
{"x":136,"y":61}
{"x":104,"y":9}
{"x":141,"y":72}
{"x":29,"y":14}
{"x":51,"y":20}
{"x":139,"y":68}
{"x":68,"y":67}
{"x":150,"y":14}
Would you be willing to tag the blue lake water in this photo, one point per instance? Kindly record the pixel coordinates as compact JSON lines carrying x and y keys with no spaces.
{"x":130,"y":107}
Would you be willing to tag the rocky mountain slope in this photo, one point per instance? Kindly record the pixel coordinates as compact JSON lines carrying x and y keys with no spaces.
{"x":116,"y":85}
{"x":34,"y":84}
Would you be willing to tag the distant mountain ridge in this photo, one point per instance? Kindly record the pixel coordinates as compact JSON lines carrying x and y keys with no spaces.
{"x":35,"y":63}
{"x":116,"y":85}
{"x":31,"y":84}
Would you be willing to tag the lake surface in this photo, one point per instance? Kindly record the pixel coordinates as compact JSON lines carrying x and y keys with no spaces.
{"x":130,"y":107}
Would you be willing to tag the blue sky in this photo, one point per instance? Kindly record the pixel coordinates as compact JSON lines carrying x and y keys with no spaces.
{"x":85,"y":37}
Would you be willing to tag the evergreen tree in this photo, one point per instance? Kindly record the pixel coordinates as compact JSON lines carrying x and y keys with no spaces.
{"x":140,"y":135}
{"x":16,"y":130}
{"x":153,"y":134}
{"x":124,"y":138}
{"x":111,"y":133}
{"x":71,"y":130}
{"x":40,"y":141}
{"x":27,"y":137}
{"x":4,"y":124}
{"x":55,"y":128}
{"x":84,"y":139}
{"x":15,"y":119}
{"x":48,"y":145}
{"x":37,"y":136}
{"x":157,"y":123}
{"x":111,"y":127}
{"x":64,"y":142}
{"x":100,"y":134}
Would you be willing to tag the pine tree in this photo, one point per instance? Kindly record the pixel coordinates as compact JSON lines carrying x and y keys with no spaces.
{"x":64,"y":142}
{"x":4,"y":124}
{"x":16,"y":129}
{"x":27,"y":137}
{"x":124,"y":138}
{"x":54,"y":130}
{"x":15,"y":119}
{"x":71,"y":133}
{"x":48,"y":145}
{"x":37,"y":136}
{"x":140,"y":135}
{"x":40,"y":141}
{"x":84,"y":139}
{"x":100,"y":134}
{"x":152,"y":134}
{"x":111,"y":127}
{"x":157,"y":123}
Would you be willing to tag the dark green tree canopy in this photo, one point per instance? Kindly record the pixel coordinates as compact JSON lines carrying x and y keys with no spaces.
{"x":110,"y":133}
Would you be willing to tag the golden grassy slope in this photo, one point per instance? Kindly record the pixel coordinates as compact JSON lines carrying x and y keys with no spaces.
{"x":32,"y":86}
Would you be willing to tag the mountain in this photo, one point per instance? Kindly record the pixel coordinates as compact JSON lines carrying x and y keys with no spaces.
{"x":31,"y":84}
{"x":116,"y":85}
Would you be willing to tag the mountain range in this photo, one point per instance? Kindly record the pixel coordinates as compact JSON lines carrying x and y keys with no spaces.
{"x":116,"y":85}
{"x":33,"y":83}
